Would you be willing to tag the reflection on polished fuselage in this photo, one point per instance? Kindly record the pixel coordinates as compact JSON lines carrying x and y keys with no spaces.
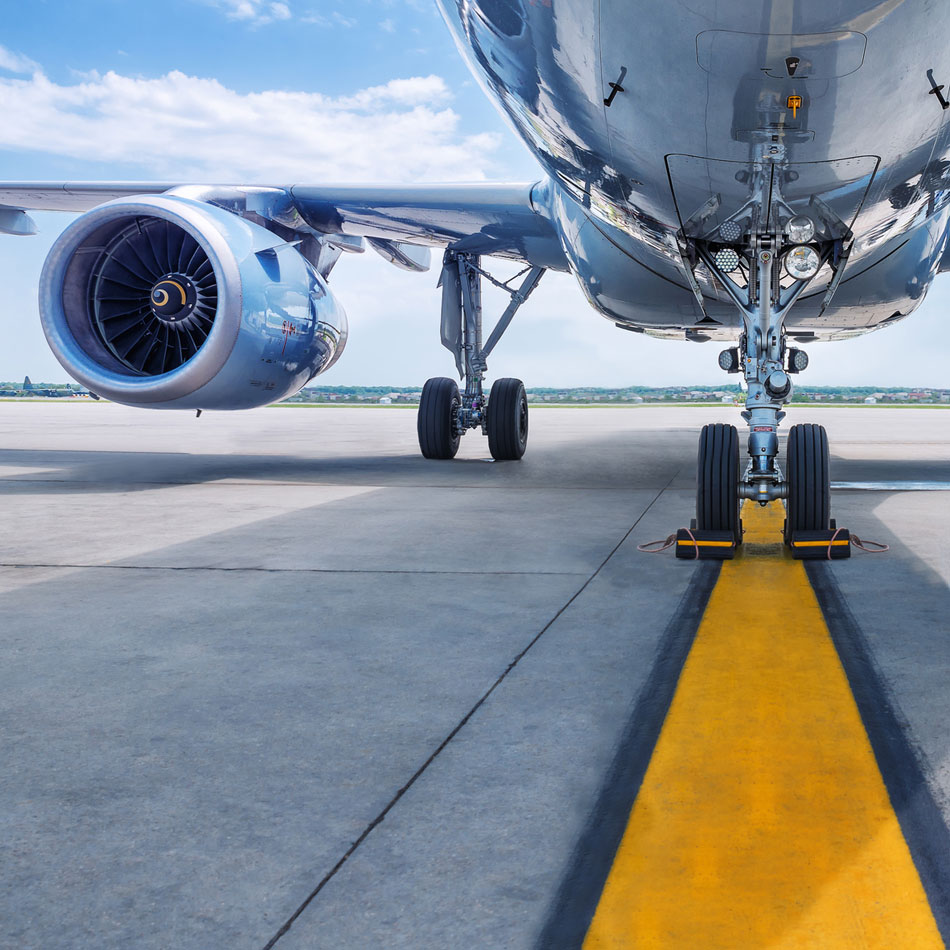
{"x":641,"y":112}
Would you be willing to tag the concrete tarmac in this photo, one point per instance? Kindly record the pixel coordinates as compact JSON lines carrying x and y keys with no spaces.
{"x":275,"y":668}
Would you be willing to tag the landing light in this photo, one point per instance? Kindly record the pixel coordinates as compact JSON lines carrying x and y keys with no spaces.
{"x":802,"y":262}
{"x":800,"y":229}
{"x":727,"y":260}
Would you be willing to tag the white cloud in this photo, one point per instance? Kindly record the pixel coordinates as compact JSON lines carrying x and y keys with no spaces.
{"x":417,"y":91}
{"x":388,"y":25}
{"x":334,"y":19}
{"x":16,"y":62}
{"x":254,"y":12}
{"x":183,"y":127}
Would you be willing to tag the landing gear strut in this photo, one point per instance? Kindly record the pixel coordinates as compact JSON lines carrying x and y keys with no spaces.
{"x":764,"y":255}
{"x":445,"y":414}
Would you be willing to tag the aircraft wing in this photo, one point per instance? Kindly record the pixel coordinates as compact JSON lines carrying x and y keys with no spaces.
{"x":481,"y":218}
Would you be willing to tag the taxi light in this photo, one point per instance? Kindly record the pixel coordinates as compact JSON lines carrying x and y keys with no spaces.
{"x":802,"y":262}
{"x":800,"y":229}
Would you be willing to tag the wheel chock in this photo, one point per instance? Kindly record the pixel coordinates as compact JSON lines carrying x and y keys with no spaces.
{"x":695,"y":545}
{"x":830,"y":545}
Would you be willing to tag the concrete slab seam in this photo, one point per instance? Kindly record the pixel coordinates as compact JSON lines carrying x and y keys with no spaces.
{"x":94,"y":487}
{"x":278,"y":570}
{"x":461,"y":724}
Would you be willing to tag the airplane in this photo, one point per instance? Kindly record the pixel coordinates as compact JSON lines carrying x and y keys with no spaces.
{"x":763,"y":175}
{"x":29,"y":388}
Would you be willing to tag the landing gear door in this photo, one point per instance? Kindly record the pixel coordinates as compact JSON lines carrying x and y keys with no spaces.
{"x":709,"y":192}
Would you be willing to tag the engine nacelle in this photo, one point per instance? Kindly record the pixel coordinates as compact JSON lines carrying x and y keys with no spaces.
{"x":171,"y":303}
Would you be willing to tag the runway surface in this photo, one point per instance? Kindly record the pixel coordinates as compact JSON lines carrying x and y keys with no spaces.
{"x":273,"y":680}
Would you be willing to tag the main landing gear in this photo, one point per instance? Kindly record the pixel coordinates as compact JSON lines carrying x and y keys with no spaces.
{"x":764,"y":255}
{"x":445,"y":413}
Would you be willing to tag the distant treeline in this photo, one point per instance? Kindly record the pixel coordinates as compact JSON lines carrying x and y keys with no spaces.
{"x":604,"y":391}
{"x":18,"y":384}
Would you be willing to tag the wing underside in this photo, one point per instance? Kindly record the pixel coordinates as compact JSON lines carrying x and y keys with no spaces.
{"x":481,"y":218}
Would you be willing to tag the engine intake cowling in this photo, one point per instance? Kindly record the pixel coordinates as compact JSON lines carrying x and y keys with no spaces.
{"x":172,"y":303}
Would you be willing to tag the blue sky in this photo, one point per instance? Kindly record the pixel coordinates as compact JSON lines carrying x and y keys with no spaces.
{"x":317,"y":90}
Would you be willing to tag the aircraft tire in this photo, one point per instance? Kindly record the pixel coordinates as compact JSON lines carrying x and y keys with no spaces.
{"x":809,"y":480}
{"x":436,"y":422}
{"x":507,"y":420}
{"x":717,"y":481}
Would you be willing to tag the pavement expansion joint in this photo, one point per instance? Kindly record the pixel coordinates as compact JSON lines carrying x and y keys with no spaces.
{"x":763,"y":818}
{"x":96,"y":486}
{"x":283,"y":570}
{"x":459,"y":726}
{"x":890,"y":486}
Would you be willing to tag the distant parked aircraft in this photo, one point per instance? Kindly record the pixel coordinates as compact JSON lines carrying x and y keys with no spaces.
{"x":49,"y":392}
{"x":42,"y":391}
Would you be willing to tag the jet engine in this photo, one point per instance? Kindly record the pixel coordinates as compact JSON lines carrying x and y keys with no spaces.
{"x":171,"y":303}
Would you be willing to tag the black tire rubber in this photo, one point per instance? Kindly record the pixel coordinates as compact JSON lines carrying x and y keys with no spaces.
{"x":507,"y":420}
{"x":717,"y":480}
{"x":436,"y":423}
{"x":808,"y":473}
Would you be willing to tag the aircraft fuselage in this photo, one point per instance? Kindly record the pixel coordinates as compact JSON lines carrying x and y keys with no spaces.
{"x":641,"y":112}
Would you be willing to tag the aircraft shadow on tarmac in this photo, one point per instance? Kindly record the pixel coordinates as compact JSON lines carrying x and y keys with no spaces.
{"x":594,"y":463}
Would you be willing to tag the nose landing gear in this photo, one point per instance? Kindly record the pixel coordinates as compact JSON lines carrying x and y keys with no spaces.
{"x":764,"y":256}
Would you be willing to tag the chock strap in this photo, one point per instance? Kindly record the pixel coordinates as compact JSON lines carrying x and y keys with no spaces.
{"x":877,"y":547}
{"x":651,"y":548}
{"x":656,"y":547}
{"x":832,"y":541}
{"x":871,"y":547}
{"x":692,"y":538}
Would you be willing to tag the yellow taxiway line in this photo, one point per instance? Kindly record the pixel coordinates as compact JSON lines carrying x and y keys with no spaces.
{"x":762,"y":819}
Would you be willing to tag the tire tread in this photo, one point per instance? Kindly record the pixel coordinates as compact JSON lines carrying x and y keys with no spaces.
{"x":434,"y":424}
{"x":809,"y":479}
{"x":502,"y":422}
{"x":717,"y":499}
